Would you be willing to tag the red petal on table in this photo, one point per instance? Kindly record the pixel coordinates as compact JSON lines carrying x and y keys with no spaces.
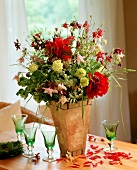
{"x":73,"y":166}
{"x":86,"y":165}
{"x":59,"y":159}
{"x":101,"y":162}
{"x":89,"y":153}
{"x":87,"y":162}
{"x":93,"y":147}
{"x":76,"y":164}
{"x":82,"y":157}
{"x":95,"y":157}
{"x":113,"y":162}
{"x":94,"y":165}
{"x":97,"y":151}
{"x":129,"y":157}
{"x":102,"y":140}
{"x":37,"y":156}
{"x":95,"y":139}
{"x":90,"y":137}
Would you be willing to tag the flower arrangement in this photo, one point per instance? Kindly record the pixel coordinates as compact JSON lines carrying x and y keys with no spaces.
{"x":68,"y":65}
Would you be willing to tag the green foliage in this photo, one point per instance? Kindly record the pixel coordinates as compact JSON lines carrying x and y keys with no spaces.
{"x":10,"y":149}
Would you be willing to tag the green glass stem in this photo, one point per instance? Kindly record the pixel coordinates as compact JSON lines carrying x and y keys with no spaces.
{"x":50,"y":156}
{"x":30,"y":150}
{"x":111,"y":145}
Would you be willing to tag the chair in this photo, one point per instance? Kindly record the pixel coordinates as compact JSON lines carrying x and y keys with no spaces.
{"x":31,"y":115}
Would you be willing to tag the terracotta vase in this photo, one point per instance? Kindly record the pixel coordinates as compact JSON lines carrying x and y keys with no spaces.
{"x":72,"y":129}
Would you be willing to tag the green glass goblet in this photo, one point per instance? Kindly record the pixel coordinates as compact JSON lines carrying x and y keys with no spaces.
{"x":49,"y":136}
{"x":19,"y":120}
{"x":110,"y":127}
{"x":29,"y":133}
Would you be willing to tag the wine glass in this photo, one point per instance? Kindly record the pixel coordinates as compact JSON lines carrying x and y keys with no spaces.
{"x":110,"y":127}
{"x":19,"y":120}
{"x":29,"y":133}
{"x":49,"y":135}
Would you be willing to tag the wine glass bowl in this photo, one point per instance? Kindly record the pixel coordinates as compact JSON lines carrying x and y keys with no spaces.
{"x":49,"y":136}
{"x":19,"y":120}
{"x":110,"y":127}
{"x":29,"y":133}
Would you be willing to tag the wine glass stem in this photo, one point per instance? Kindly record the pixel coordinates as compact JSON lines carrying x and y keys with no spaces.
{"x":30,"y":150}
{"x":19,"y":137}
{"x":111,"y":145}
{"x":49,"y":151}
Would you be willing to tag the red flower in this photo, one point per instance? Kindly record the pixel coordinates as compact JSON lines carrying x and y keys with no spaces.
{"x":109,"y":58}
{"x":98,"y":33}
{"x":65,"y":25}
{"x":86,"y":24}
{"x":98,"y":85}
{"x":59,"y":48}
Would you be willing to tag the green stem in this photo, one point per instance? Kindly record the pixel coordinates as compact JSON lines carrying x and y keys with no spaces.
{"x":121,"y":105}
{"x":83,"y":117}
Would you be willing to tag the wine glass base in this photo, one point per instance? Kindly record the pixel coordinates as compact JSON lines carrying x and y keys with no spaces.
{"x":114,"y":149}
{"x":27,"y":155}
{"x":49,"y":159}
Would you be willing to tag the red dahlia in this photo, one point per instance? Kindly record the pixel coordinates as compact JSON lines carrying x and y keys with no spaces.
{"x":98,"y":85}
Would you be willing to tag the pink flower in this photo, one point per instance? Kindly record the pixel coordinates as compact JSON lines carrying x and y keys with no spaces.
{"x":16,"y":77}
{"x":80,"y":59}
{"x":21,"y":60}
{"x":50,"y":91}
{"x":63,"y":100}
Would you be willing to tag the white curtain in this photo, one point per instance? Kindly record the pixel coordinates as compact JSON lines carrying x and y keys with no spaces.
{"x":13,"y":26}
{"x":108,"y":107}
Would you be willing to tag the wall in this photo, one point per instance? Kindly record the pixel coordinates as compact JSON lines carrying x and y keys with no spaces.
{"x":130,"y":16}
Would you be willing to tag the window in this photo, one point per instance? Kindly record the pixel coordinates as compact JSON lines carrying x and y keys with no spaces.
{"x":50,"y":13}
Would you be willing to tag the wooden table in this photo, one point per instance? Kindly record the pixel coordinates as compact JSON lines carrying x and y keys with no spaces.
{"x":22,"y":163}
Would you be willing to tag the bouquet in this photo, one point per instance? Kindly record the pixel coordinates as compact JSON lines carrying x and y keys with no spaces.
{"x":68,"y":64}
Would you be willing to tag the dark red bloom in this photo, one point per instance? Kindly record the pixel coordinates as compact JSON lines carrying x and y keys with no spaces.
{"x":118,"y":51}
{"x":100,"y":56}
{"x":38,"y":35}
{"x":65,"y":25}
{"x":98,"y":85}
{"x":17,"y":44}
{"x":56,"y":29}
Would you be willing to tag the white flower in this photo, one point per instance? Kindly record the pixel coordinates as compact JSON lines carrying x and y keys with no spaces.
{"x":119,"y":56}
{"x":61,"y":87}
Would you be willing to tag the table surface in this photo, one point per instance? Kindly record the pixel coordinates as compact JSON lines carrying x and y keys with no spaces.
{"x":22,"y":163}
